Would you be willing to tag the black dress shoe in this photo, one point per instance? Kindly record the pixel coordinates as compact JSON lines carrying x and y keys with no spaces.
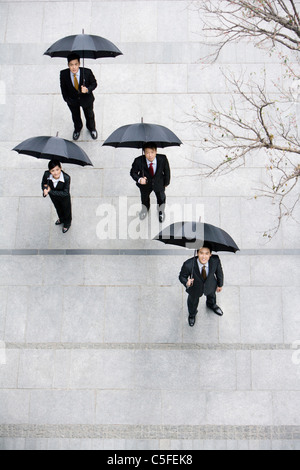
{"x":161,"y":217}
{"x":58,"y":222}
{"x":192,"y":321}
{"x":76,"y":135}
{"x":65,"y":229}
{"x":218,"y":311}
{"x":94,"y":135}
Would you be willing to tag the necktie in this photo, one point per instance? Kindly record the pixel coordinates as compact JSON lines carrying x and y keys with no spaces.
{"x":204,"y":275}
{"x":76,"y":84}
{"x":151,"y":169}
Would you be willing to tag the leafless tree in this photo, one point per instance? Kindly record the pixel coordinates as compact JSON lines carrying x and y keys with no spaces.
{"x":268,"y":22}
{"x":256,"y":120}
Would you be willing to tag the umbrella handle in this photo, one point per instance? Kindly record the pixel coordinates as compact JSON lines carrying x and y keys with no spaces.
{"x":193,"y":267}
{"x":83,"y":77}
{"x":143,"y":173}
{"x":83,"y":63}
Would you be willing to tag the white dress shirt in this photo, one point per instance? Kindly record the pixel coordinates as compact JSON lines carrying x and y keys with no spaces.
{"x":56,"y":181}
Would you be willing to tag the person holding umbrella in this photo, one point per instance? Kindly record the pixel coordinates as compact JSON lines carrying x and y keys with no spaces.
{"x":56,"y":183}
{"x":151,"y":172}
{"x":202,"y":275}
{"x":77,"y":86}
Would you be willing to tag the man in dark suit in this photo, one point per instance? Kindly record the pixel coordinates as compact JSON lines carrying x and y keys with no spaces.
{"x":202,"y":275}
{"x":151,"y":172}
{"x":77,"y":86}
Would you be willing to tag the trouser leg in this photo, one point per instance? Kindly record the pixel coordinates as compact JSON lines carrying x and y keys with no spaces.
{"x":193,"y":303}
{"x":64,"y":210}
{"x":76,"y":116}
{"x":67,"y":209}
{"x":59,"y":210}
{"x":145,"y":198}
{"x":211,"y":300}
{"x":161,"y":200}
{"x":90,"y":118}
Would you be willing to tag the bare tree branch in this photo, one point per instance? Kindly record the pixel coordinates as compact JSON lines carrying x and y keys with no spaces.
{"x":255,"y":121}
{"x":273,"y":21}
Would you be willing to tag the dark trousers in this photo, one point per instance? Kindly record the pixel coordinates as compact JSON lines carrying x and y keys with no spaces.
{"x":160,"y":196}
{"x":89,"y":116}
{"x":193,"y":302}
{"x":63,"y":209}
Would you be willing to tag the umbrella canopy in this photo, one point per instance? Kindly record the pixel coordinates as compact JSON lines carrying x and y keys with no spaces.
{"x":85,"y":45}
{"x":136,"y":135}
{"x":49,"y":148}
{"x":195,"y":234}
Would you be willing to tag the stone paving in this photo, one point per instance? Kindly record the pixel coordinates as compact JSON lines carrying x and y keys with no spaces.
{"x":95,"y":348}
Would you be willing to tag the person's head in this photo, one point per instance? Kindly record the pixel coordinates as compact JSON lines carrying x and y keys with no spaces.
{"x":54,"y":167}
{"x":150,"y":151}
{"x":73,"y":62}
{"x":205,"y":253}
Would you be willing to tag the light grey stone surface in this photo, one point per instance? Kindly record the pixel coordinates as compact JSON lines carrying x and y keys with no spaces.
{"x":84,"y":314}
{"x":95,"y":348}
{"x":70,"y":406}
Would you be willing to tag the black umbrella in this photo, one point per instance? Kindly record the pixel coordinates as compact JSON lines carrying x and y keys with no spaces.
{"x":195,"y":234}
{"x":137,"y":135}
{"x":49,"y":148}
{"x":87,"y":46}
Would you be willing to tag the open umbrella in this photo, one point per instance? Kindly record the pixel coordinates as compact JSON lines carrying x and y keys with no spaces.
{"x":48,"y":148}
{"x":137,"y":135}
{"x":195,"y":234}
{"x":87,"y":46}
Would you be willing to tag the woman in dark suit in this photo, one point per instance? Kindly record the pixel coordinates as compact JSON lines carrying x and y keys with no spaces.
{"x":57,"y":183}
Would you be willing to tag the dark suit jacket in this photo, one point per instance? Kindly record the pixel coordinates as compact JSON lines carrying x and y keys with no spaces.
{"x":62,"y":190}
{"x":69,"y":93}
{"x":214,"y":279}
{"x":162,"y":175}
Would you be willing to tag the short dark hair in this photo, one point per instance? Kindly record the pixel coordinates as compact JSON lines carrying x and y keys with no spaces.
{"x":150,"y":145}
{"x":53,"y":163}
{"x":206,"y":245}
{"x":73,"y":56}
